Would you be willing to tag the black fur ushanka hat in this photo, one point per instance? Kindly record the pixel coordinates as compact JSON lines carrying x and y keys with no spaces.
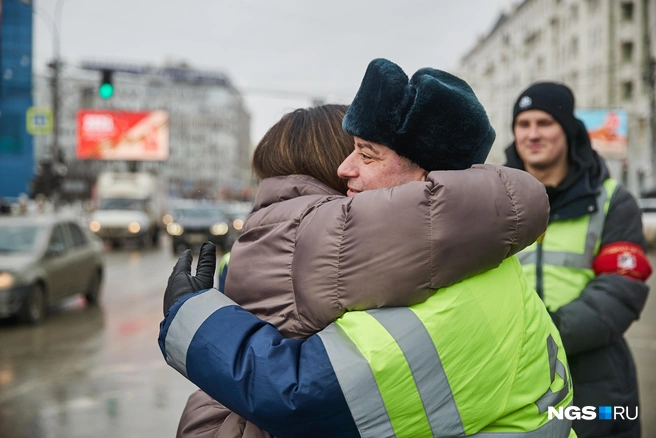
{"x":434,"y":119}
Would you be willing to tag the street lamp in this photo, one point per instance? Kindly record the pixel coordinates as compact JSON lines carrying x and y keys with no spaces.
{"x":56,"y":66}
{"x":56,"y":166}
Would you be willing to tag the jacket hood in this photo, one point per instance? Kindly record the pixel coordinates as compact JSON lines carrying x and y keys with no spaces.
{"x":282,"y":188}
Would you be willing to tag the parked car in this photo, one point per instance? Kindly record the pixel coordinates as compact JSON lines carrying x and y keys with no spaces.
{"x":44,"y":259}
{"x":193,"y":222}
{"x":648,"y":207}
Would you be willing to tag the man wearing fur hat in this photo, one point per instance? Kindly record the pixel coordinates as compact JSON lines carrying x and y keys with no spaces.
{"x":590,"y":269}
{"x":479,"y":357}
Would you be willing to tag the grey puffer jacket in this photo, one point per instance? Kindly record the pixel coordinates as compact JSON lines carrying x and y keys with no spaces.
{"x":309,"y":254}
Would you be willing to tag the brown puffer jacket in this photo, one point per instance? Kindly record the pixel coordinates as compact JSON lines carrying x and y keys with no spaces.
{"x":309,"y":254}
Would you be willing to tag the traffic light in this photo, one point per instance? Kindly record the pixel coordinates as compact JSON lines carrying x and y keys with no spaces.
{"x":106,"y":89}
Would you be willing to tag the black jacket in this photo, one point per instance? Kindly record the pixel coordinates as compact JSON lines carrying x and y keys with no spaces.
{"x":593,"y":325}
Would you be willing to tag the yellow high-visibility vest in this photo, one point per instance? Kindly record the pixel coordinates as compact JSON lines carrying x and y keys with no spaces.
{"x":480,"y":358}
{"x":561,"y":265}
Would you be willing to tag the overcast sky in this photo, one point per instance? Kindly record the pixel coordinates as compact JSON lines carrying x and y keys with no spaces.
{"x":313,"y":48}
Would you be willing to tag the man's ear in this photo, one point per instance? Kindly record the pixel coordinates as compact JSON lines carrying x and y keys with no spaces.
{"x":424,"y":175}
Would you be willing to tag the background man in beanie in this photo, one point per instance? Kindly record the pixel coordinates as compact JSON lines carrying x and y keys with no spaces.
{"x":478,"y":356}
{"x":590,"y":269}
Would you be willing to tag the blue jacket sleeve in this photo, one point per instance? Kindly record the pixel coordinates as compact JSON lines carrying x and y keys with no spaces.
{"x":285,"y":386}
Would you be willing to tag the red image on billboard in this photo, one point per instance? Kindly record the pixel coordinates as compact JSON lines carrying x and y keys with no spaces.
{"x":122,"y":135}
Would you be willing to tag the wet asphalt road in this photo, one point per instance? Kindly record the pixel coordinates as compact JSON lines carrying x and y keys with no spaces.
{"x":95,"y":372}
{"x":98,"y":372}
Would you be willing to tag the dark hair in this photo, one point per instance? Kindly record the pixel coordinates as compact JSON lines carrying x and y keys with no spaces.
{"x":306,"y":141}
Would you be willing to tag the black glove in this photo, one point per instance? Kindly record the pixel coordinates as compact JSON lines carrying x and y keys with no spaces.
{"x":182,"y":283}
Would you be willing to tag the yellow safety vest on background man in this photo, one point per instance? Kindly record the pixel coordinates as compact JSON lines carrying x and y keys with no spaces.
{"x":561,"y":265}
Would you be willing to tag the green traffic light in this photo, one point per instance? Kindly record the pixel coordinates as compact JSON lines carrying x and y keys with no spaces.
{"x":106,"y":91}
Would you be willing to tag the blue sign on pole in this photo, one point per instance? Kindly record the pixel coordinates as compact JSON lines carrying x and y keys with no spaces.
{"x":39,"y":120}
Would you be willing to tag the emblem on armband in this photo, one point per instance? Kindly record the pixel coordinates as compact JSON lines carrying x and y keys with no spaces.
{"x":627,"y":261}
{"x":623,"y":258}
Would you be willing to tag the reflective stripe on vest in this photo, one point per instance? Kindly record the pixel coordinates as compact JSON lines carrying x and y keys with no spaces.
{"x":568,"y":251}
{"x":390,"y":367}
{"x":556,"y":367}
{"x":412,"y":355}
{"x":183,"y":329}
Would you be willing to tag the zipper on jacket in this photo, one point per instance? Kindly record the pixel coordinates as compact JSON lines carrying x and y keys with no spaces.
{"x":539,"y":286}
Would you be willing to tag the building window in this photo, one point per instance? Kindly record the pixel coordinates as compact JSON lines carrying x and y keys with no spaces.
{"x":627,"y":51}
{"x":642,"y":128}
{"x":574,"y":12}
{"x":591,"y":40}
{"x":575,"y":47}
{"x":593,"y":6}
{"x":627,"y":11}
{"x":574,"y":81}
{"x":86,"y":97}
{"x":489,"y":71}
{"x":597,"y":39}
{"x":627,"y":90}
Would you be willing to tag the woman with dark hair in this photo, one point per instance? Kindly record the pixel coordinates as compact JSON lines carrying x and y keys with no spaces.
{"x":308,"y":253}
{"x":306,"y":142}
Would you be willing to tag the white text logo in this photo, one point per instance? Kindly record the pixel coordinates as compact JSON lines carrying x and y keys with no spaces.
{"x":590,"y":413}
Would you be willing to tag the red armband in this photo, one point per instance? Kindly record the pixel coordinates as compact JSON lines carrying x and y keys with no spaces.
{"x":624,"y":258}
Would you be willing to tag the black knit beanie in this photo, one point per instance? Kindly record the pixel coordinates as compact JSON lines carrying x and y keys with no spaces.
{"x":550,"y":97}
{"x":558,"y":100}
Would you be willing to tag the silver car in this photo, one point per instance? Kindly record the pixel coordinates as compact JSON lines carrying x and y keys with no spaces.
{"x":44,"y":259}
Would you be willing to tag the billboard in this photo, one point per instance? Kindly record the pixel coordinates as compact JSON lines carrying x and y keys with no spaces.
{"x":122,"y":135}
{"x":608,"y":131}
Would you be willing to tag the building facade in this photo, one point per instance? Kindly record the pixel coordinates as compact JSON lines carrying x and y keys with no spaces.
{"x":209,"y":126}
{"x":599,"y":48}
{"x":16,"y":151}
